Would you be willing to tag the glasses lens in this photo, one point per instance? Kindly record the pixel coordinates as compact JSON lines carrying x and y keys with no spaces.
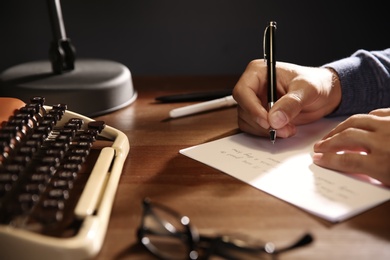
{"x":166,"y":235}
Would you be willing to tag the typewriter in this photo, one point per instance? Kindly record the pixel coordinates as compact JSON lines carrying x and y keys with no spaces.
{"x":59,"y":172}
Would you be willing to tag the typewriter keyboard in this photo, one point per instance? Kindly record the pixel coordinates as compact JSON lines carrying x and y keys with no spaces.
{"x":58,"y":173}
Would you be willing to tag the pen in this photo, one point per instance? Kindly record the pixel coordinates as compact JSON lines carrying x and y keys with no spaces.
{"x":195,"y":96}
{"x":202,"y":107}
{"x":269,"y":56}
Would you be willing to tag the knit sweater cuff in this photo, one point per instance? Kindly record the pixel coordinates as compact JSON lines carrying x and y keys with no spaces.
{"x":361,"y":84}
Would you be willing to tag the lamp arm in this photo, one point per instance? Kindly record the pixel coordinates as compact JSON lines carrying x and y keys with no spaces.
{"x":62,"y":53}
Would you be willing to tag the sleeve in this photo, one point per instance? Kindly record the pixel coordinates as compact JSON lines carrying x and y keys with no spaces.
{"x":365,"y":81}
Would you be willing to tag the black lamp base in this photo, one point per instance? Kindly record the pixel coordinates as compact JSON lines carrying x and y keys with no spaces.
{"x":93,"y":88}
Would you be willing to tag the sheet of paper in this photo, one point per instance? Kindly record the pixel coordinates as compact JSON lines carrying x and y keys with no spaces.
{"x":285,"y":170}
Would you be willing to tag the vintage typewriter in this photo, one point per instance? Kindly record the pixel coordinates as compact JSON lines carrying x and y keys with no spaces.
{"x":59,"y":172}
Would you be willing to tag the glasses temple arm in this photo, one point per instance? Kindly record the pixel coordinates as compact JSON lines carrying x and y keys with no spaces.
{"x":304,"y":240}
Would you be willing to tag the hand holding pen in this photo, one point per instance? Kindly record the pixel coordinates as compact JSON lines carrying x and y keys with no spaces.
{"x":306,"y":94}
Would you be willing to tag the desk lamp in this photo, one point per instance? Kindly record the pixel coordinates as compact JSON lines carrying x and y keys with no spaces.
{"x":88,"y":86}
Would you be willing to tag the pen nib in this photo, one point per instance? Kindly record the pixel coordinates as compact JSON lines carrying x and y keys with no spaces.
{"x":272,"y":135}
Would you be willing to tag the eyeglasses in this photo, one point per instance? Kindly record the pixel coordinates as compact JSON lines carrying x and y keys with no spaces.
{"x":169,"y":235}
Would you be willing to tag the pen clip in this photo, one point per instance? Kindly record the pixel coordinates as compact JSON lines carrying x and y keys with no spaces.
{"x":264,"y":44}
{"x":265,"y":49}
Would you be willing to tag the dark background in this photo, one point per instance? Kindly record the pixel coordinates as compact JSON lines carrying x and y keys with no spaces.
{"x":202,"y":37}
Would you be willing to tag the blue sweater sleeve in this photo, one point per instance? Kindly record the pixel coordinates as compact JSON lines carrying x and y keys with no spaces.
{"x":365,"y":81}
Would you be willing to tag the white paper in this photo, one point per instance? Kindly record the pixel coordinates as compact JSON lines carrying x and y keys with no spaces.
{"x":286,"y":170}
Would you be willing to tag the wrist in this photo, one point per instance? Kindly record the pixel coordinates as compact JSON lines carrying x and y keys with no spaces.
{"x":335,"y":90}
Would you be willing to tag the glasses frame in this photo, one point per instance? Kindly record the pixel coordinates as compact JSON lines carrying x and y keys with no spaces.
{"x":200,"y":246}
{"x":190,"y":233}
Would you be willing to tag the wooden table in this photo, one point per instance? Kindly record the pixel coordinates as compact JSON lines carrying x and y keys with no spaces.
{"x":215,"y":202}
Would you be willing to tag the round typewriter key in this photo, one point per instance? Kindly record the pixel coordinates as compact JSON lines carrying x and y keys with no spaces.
{"x":67,"y":175}
{"x":53,"y":203}
{"x":38,"y":100}
{"x":59,"y":194}
{"x":97,"y":125}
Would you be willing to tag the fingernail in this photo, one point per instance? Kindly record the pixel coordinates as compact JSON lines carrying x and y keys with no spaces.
{"x":278,"y":119}
{"x":317,"y":157}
